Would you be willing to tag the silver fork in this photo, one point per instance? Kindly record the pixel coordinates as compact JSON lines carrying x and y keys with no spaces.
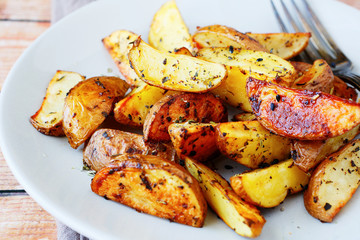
{"x":321,"y":45}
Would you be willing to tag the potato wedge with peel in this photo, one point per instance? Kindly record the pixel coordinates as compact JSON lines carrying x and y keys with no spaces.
{"x":152,"y":185}
{"x":262,"y":65}
{"x":268,"y":187}
{"x":333,"y":183}
{"x":105,"y":144}
{"x":168,"y":31}
{"x":49,"y":118}
{"x":132,"y":109}
{"x":240,"y":216}
{"x":341,"y":89}
{"x":182,"y":107}
{"x":195,"y":140}
{"x":118,"y":45}
{"x":223,"y":36}
{"x":250,"y":144}
{"x":301,"y":114}
{"x":88,"y":104}
{"x":284,"y":45}
{"x":175,"y":71}
{"x":308,"y":154}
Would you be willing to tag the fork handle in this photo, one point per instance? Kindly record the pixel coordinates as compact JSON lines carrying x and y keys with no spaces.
{"x":351,"y":78}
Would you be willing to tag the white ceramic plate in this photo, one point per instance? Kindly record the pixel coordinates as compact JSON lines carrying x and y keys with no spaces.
{"x":49,"y":169}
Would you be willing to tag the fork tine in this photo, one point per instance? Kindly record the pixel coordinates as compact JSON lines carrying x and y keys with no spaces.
{"x":277,"y":15}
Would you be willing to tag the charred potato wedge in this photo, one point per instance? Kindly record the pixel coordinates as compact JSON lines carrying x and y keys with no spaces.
{"x":118,"y":45}
{"x":242,"y":217}
{"x":301,"y":114}
{"x":88,"y":104}
{"x":250,"y":144}
{"x":49,"y":118}
{"x":268,"y":187}
{"x":105,"y":144}
{"x":341,"y":89}
{"x":223,"y":36}
{"x":195,"y":140}
{"x":168,"y":31}
{"x":152,"y":185}
{"x":182,"y":107}
{"x":285,"y":45}
{"x":175,"y":71}
{"x":333,"y":183}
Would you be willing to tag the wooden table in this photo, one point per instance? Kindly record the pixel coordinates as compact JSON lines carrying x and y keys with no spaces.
{"x":21,"y":22}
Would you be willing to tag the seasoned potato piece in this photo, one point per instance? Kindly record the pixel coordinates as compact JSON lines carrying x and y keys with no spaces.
{"x":285,"y":45}
{"x":183,"y":51}
{"x":242,"y":217}
{"x":168,"y":31}
{"x":223,"y":36}
{"x":182,"y":107}
{"x":301,"y":67}
{"x":301,"y":114}
{"x":175,"y":71}
{"x":49,"y":118}
{"x":262,"y":65}
{"x":88,"y":104}
{"x":244,"y":117}
{"x":132,"y":109}
{"x":308,"y":154}
{"x":268,"y":187}
{"x":152,"y":185}
{"x":118,"y":44}
{"x":250,"y":144}
{"x":333,"y":183}
{"x":341,"y":89}
{"x":195,"y":140}
{"x":105,"y":144}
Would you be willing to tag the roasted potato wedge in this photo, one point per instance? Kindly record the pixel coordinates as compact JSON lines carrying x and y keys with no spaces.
{"x":195,"y":140}
{"x":88,"y":104}
{"x":333,"y":183}
{"x":105,"y":144}
{"x":152,"y":185}
{"x":182,"y":107}
{"x":250,"y":144}
{"x":49,"y":118}
{"x":301,"y":67}
{"x":285,"y":45}
{"x":262,"y":65}
{"x":308,"y":154}
{"x":132,"y":109}
{"x":242,"y":217}
{"x":175,"y":71}
{"x":168,"y":31}
{"x":244,"y":117}
{"x":118,"y":45}
{"x":301,"y":114}
{"x":223,"y":36}
{"x":268,"y":187}
{"x":341,"y":89}
{"x":183,"y":51}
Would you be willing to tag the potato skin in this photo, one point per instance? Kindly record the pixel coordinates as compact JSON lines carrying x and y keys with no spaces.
{"x":88,"y":104}
{"x":105,"y":144}
{"x":182,"y":107}
{"x":152,"y":185}
{"x":301,"y":114}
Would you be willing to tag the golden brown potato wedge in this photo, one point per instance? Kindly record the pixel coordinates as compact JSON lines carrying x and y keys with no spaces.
{"x":333,"y":183}
{"x":88,"y":104}
{"x":244,"y":117}
{"x":250,"y":144}
{"x":132,"y":109}
{"x":223,"y":36}
{"x":242,"y":217}
{"x":183,"y":51}
{"x":285,"y":45}
{"x":49,"y":118}
{"x":301,"y":114}
{"x":308,"y":154}
{"x":182,"y":107}
{"x":262,"y":65}
{"x":152,"y":185}
{"x":268,"y":187}
{"x":118,"y":44}
{"x":105,"y":144}
{"x":341,"y":89}
{"x":168,"y":31}
{"x":195,"y":140}
{"x":175,"y":71}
